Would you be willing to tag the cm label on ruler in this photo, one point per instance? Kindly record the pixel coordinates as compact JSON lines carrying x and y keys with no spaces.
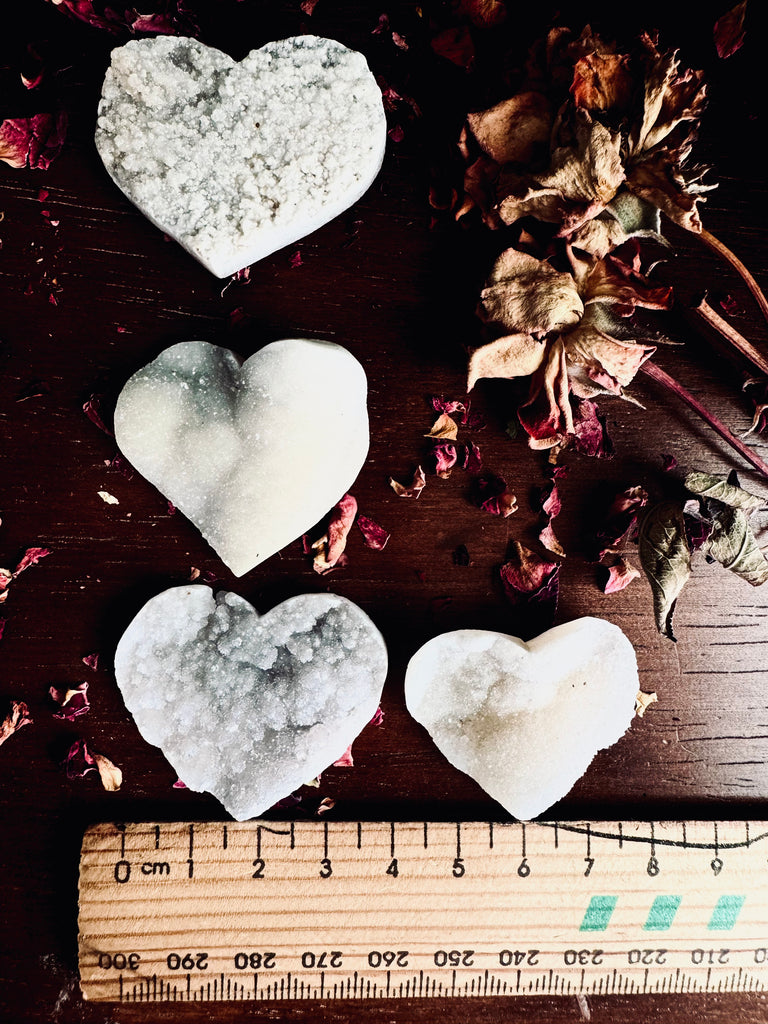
{"x":309,"y":910}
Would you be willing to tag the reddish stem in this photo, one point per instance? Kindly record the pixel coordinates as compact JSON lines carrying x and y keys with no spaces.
{"x":732,"y":336}
{"x":722,"y":250}
{"x":656,"y":373}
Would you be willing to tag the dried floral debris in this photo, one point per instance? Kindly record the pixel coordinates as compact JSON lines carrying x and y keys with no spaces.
{"x":643,"y":701}
{"x":80,"y":761}
{"x":173,"y":19}
{"x":30,"y":557}
{"x":32,"y":142}
{"x":329,"y":549}
{"x":531,"y":584}
{"x":16,"y":718}
{"x":729,"y":31}
{"x":412,"y":490}
{"x":73,"y":701}
{"x":716,"y":522}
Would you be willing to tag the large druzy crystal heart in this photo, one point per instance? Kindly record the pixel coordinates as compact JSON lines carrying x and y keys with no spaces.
{"x":250,"y":707}
{"x":254,"y":454}
{"x":525,"y":720}
{"x":235,"y":160}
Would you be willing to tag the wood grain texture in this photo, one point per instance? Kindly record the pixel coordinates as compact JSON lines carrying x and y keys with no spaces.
{"x":400,"y":293}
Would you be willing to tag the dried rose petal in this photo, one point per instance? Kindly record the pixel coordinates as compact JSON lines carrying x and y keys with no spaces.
{"x":620,"y":575}
{"x":17,"y":718}
{"x":92,"y":409}
{"x":444,"y":428}
{"x":470,"y":458}
{"x":549,"y":541}
{"x":91,"y":660}
{"x":111,"y":776}
{"x":620,"y":518}
{"x":378,"y":718}
{"x":326,"y":804}
{"x":79,"y":761}
{"x":32,"y":141}
{"x":308,"y":6}
{"x":413,"y":490}
{"x":329,"y":549}
{"x":668,"y":462}
{"x":345,"y":761}
{"x":374,"y":536}
{"x":456,"y":45}
{"x":729,"y":30}
{"x":447,"y":405}
{"x":72,"y":700}
{"x":531,"y":584}
{"x":442,"y":459}
{"x":178,"y":784}
{"x":590,"y":433}
{"x":296,"y":260}
{"x":30,"y":557}
{"x":489,"y":492}
{"x":2,"y":627}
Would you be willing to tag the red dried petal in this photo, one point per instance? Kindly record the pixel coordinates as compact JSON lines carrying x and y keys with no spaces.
{"x":79,"y":761}
{"x":471,"y":460}
{"x":92,"y":660}
{"x":489,"y":492}
{"x":345,"y":761}
{"x":531,"y":584}
{"x":308,"y":6}
{"x":442,"y":459}
{"x":32,"y":141}
{"x":374,"y":536}
{"x":30,"y":557}
{"x":329,"y":549}
{"x":72,"y":700}
{"x":620,"y":575}
{"x":92,"y":409}
{"x":729,"y":30}
{"x":456,"y":45}
{"x":178,"y":784}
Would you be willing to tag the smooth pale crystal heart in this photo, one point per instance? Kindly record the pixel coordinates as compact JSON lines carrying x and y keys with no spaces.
{"x":525,"y":720}
{"x":236,"y":160}
{"x":250,"y":707}
{"x":254,"y":454}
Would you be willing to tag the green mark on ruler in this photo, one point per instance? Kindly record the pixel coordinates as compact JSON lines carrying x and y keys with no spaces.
{"x":598,"y":913}
{"x":662,"y":913}
{"x":725,"y":913}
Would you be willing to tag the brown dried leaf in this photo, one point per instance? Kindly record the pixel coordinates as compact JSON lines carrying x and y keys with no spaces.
{"x":666,"y":560}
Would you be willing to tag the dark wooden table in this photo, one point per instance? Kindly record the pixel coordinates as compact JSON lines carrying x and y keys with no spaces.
{"x":86,"y":302}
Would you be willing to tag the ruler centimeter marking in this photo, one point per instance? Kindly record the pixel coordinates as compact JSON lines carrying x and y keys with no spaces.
{"x":308,"y":910}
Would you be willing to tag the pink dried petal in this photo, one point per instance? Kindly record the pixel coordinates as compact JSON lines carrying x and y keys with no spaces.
{"x":16,"y":719}
{"x":79,"y":761}
{"x":489,"y":492}
{"x":170,"y":508}
{"x":374,"y":536}
{"x":329,"y":549}
{"x":396,"y":133}
{"x":308,"y":6}
{"x":549,"y":541}
{"x":92,"y":409}
{"x":178,"y":784}
{"x":442,"y":459}
{"x":325,"y":805}
{"x":378,"y":718}
{"x":531,"y":584}
{"x":2,"y":627}
{"x":668,"y":462}
{"x":447,"y":405}
{"x":5,"y":579}
{"x":296,"y":260}
{"x":72,"y":700}
{"x":415,"y":488}
{"x":590,"y":432}
{"x":345,"y":761}
{"x":399,"y":41}
{"x":620,"y":575}
{"x":471,"y":459}
{"x":620,"y":518}
{"x":92,"y":660}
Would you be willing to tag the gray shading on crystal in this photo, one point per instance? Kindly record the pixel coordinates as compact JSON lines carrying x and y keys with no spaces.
{"x":254,"y":453}
{"x":236,"y":160}
{"x":249,"y":708}
{"x":525,"y":720}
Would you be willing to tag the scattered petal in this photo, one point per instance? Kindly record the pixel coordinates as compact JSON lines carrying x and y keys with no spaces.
{"x":79,"y":761}
{"x":329,"y":549}
{"x":30,"y":557}
{"x":326,"y":804}
{"x":91,"y":661}
{"x":374,"y":536}
{"x":73,"y":701}
{"x":92,"y":409}
{"x":620,"y":574}
{"x":729,"y":31}
{"x":178,"y":784}
{"x":16,"y":718}
{"x":107,"y":498}
{"x":444,"y":428}
{"x":110,"y":774}
{"x":643,"y":701}
{"x":345,"y":761}
{"x":489,"y":492}
{"x":531,"y":584}
{"x":412,"y":490}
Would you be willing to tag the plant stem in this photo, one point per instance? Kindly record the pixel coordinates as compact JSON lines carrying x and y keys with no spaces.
{"x":657,"y":374}
{"x":732,"y":336}
{"x":722,"y":250}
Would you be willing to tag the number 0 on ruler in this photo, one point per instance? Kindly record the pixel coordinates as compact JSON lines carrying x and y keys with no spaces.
{"x":375,"y":910}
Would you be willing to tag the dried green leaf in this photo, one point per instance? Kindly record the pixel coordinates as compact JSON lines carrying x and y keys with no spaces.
{"x":666,"y":560}
{"x":733,"y":544}
{"x":710,"y":485}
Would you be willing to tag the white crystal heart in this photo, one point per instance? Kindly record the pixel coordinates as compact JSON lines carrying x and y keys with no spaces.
{"x":236,"y":160}
{"x":525,"y":720}
{"x":254,"y":454}
{"x":249,"y":708}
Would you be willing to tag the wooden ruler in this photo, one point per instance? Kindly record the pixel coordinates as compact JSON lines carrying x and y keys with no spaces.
{"x":312,"y":910}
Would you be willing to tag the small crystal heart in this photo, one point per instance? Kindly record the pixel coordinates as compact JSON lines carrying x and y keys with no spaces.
{"x":525,"y":720}
{"x":250,"y":707}
{"x":254,"y":454}
{"x":235,"y":160}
